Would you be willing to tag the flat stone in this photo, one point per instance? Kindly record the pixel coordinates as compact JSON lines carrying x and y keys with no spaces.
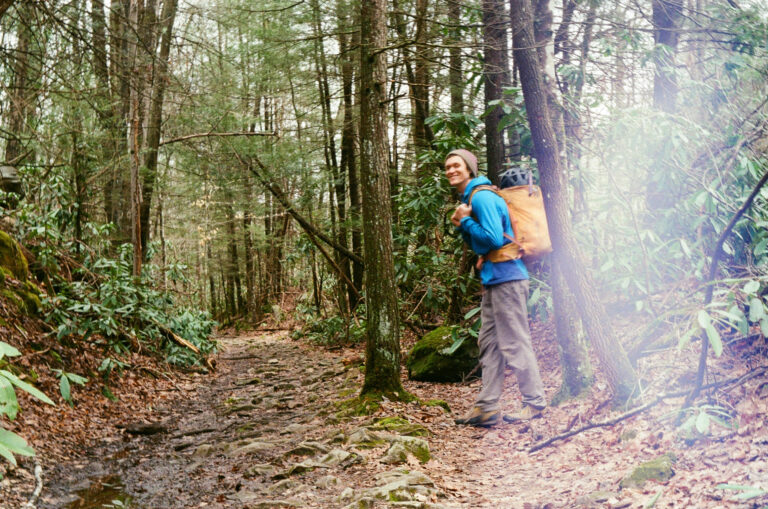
{"x":283,"y":486}
{"x":203,"y":451}
{"x":365,"y":438}
{"x":250,"y":448}
{"x":326,"y":482}
{"x":259,"y":469}
{"x":308,"y":449}
{"x":295,"y":429}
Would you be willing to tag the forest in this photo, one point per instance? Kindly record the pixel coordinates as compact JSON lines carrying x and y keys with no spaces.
{"x":229,"y":275}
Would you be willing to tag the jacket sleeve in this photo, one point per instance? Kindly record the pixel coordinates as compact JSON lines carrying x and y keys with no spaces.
{"x":485,"y":228}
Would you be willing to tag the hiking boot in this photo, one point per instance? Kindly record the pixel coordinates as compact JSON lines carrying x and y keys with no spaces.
{"x":477,"y":417}
{"x":526,"y":413}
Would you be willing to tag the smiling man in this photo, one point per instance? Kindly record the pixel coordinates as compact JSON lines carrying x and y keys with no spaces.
{"x":504,"y":338}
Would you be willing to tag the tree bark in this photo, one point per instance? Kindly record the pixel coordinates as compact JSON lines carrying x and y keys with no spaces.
{"x":577,"y":370}
{"x":667,"y":15}
{"x":494,"y":70}
{"x":382,"y":352}
{"x":455,"y":72}
{"x":613,"y":359}
{"x":348,"y":160}
{"x":154,"y":124}
{"x":23,"y":90}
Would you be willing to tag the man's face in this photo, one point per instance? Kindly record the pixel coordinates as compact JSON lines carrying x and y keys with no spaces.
{"x":456,"y":171}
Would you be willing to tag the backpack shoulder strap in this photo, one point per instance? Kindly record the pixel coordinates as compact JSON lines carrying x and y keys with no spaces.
{"x":483,"y":187}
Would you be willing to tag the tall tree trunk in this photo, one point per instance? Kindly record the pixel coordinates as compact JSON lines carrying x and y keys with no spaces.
{"x":577,"y":370}
{"x":455,"y":72}
{"x":494,"y":69}
{"x":382,"y":352}
{"x":614,"y":360}
{"x":250,"y":276}
{"x":667,"y":15}
{"x":134,"y":112}
{"x":152,"y":140}
{"x":348,"y":160}
{"x":23,"y":90}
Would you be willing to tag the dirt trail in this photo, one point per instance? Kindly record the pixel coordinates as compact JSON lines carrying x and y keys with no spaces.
{"x":264,"y":432}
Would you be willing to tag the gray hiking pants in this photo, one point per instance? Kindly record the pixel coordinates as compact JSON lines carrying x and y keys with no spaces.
{"x":505,"y":339}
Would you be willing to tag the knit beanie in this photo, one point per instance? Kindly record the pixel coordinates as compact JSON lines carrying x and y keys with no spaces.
{"x":468,"y":157}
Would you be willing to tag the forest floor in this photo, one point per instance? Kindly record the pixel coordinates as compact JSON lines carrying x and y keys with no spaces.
{"x":264,"y":431}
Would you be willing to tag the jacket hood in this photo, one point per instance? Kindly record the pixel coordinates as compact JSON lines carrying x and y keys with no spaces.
{"x":477,"y":181}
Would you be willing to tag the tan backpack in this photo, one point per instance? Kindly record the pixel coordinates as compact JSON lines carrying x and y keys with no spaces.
{"x":529,"y":222}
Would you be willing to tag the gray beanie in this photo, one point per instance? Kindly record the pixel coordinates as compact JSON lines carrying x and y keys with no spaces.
{"x":468,"y":157}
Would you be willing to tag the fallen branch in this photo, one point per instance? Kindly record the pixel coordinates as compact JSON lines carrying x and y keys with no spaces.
{"x":38,"y":487}
{"x":610,"y":422}
{"x":183,"y":342}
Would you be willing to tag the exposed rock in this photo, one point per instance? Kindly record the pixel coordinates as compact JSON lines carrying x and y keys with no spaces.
{"x":11,"y":257}
{"x":308,"y":449}
{"x":346,"y":495}
{"x":326,"y":482}
{"x":416,"y":446}
{"x":402,"y":485}
{"x":259,"y":469}
{"x":396,"y":454}
{"x":340,"y":457}
{"x":658,"y":469}
{"x":364,"y":438}
{"x":243,"y":449}
{"x":283,"y":486}
{"x":295,"y":429}
{"x":203,"y":451}
{"x":335,"y":458}
{"x":429,"y":361}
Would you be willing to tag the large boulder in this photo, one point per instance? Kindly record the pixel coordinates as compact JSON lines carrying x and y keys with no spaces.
{"x":11,"y":257}
{"x":429,"y":360}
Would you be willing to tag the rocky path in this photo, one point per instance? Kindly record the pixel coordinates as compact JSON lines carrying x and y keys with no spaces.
{"x":262,"y":433}
{"x":268,"y":430}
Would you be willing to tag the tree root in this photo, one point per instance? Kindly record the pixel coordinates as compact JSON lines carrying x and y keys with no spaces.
{"x":610,"y":422}
{"x":38,"y":487}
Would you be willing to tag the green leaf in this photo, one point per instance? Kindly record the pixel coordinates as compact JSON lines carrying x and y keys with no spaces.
{"x":685,"y":247}
{"x":652,"y":502}
{"x":702,"y":423}
{"x":24,"y":386}
{"x":714,"y":340}
{"x":451,"y":349}
{"x":704,"y":319}
{"x":76,"y":379}
{"x":9,"y":405}
{"x":751,"y":287}
{"x":7,"y":350}
{"x":65,"y":389}
{"x":756,"y":311}
{"x":763,"y":326}
{"x":12,"y":443}
{"x":471,"y":313}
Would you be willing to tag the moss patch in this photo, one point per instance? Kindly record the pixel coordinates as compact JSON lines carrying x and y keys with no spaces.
{"x":658,"y":469}
{"x":399,"y":425}
{"x":438,"y":402}
{"x":428,"y":362}
{"x":12,"y":258}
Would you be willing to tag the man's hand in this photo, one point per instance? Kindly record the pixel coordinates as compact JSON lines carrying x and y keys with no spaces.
{"x":461,"y":212}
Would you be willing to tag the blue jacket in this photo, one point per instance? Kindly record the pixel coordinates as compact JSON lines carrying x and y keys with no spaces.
{"x":484,"y":231}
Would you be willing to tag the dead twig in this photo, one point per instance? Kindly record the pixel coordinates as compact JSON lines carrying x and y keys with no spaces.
{"x":626,"y":415}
